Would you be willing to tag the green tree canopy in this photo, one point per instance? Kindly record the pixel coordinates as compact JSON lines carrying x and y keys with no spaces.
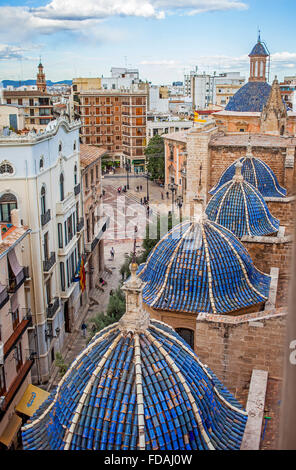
{"x":155,"y":158}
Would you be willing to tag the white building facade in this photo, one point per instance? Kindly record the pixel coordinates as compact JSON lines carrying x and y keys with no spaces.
{"x":40,"y":176}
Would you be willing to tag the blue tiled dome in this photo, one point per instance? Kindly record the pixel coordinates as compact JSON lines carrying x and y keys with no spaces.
{"x":255,"y":172}
{"x":137,"y":390}
{"x":238,"y":206}
{"x":202,"y":268}
{"x":251,"y":97}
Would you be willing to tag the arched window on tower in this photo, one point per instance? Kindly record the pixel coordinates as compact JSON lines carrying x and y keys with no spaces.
{"x":43,"y":200}
{"x":187,"y":335}
{"x":62,"y":194}
{"x":8,"y":202}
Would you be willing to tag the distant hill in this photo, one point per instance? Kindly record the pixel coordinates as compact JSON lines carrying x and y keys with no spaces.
{"x":17,"y":83}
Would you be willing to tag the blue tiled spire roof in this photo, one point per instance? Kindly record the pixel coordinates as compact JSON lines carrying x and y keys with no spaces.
{"x":238,"y":206}
{"x":202,"y":267}
{"x":137,"y":390}
{"x":255,"y":172}
{"x":251,"y":97}
{"x":259,"y":50}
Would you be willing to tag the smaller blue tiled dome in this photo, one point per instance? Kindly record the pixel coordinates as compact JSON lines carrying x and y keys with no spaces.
{"x":255,"y":172}
{"x":202,"y":267}
{"x":251,"y":97}
{"x":238,"y":206}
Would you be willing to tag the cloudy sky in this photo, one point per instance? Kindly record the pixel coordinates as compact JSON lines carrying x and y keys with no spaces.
{"x":163,"y":38}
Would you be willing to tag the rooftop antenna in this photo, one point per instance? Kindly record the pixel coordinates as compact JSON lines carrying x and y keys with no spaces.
{"x":264,"y":44}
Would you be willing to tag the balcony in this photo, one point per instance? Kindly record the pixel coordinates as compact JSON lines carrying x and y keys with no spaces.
{"x":64,"y":206}
{"x":48,"y":263}
{"x":14,"y":283}
{"x":77,"y":189}
{"x":100,"y":228}
{"x":18,"y":332}
{"x":80,"y":224}
{"x":45,"y":218}
{"x":53,"y":307}
{"x":16,"y":384}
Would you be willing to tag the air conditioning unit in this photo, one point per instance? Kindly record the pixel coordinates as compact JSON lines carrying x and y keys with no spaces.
{"x":1,"y":353}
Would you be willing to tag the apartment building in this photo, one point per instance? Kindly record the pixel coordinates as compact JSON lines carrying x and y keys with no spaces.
{"x":16,"y":357}
{"x":95,"y":222}
{"x":40,"y":176}
{"x":115,"y":120}
{"x":37,"y":104}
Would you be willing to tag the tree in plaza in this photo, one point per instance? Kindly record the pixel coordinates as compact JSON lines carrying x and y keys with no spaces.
{"x":115,"y":310}
{"x":155,"y":158}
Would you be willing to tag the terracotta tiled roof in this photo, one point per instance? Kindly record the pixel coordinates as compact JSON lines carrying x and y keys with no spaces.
{"x":256,"y":140}
{"x":90,"y":153}
{"x":180,"y":136}
{"x":11,"y":236}
{"x":11,"y":94}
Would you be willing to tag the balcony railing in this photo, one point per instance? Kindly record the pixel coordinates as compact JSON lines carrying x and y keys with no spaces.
{"x":100,"y":228}
{"x":14,"y":283}
{"x":48,"y":263}
{"x":18,"y":332}
{"x":53,"y":307}
{"x":45,"y":218}
{"x":77,"y":189}
{"x":16,"y":384}
{"x":80,"y":224}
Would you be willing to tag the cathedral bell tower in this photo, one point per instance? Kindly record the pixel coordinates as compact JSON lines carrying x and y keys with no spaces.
{"x":259,"y":62}
{"x":41,"y":81}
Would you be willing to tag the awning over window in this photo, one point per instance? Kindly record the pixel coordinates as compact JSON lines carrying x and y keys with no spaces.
{"x":32,"y":399}
{"x":14,"y":264}
{"x":11,"y":430}
{"x":14,"y":302}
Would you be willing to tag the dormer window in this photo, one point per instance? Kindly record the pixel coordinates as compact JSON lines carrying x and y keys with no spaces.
{"x":60,"y":147}
{"x":74,"y":146}
{"x":41,"y":163}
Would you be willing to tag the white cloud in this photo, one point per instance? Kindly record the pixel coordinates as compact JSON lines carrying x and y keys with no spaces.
{"x":18,"y":23}
{"x":8,"y":52}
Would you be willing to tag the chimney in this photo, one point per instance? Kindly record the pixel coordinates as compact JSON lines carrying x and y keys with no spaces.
{"x":15,"y":218}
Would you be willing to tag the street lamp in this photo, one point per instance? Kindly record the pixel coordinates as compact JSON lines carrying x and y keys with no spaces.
{"x":147,"y":178}
{"x":128,"y":169}
{"x":172,"y":187}
{"x":179,"y":200}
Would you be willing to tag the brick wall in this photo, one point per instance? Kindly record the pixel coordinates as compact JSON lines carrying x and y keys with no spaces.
{"x":232,"y":349}
{"x":284,"y":211}
{"x":220,"y":157}
{"x":278,"y":255}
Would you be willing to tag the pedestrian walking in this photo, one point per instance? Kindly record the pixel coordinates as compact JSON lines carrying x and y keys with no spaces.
{"x":162,"y":195}
{"x":83,"y":328}
{"x":112,"y":253}
{"x":167,"y":194}
{"x":141,"y":201}
{"x":140,"y":187}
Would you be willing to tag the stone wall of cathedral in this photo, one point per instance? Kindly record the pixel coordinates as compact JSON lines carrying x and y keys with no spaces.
{"x":233,"y":346}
